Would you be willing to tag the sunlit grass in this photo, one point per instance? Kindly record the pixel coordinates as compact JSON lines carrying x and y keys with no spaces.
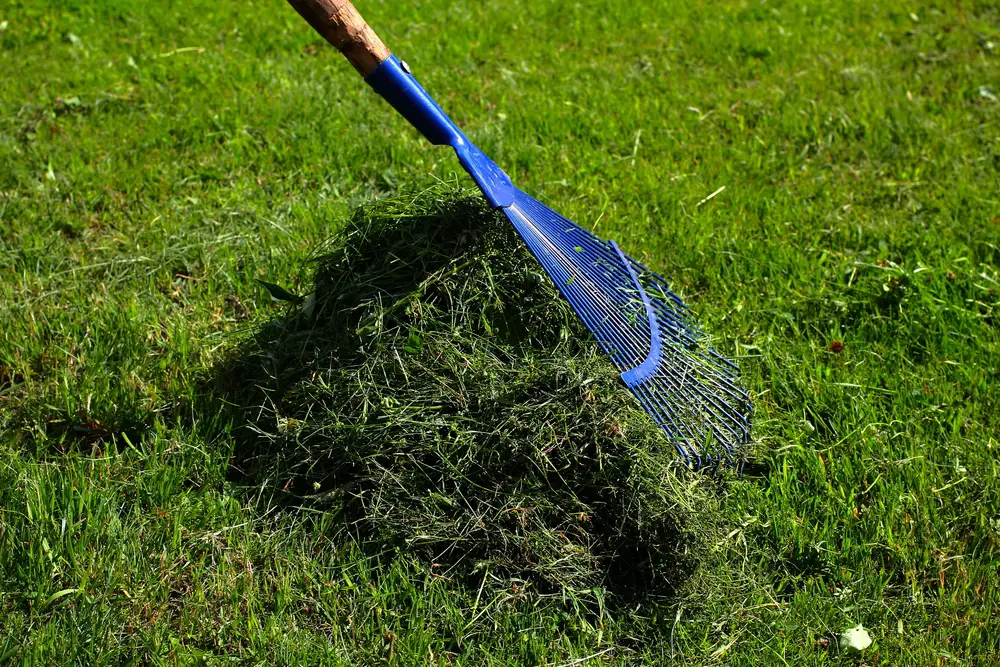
{"x":157,"y":159}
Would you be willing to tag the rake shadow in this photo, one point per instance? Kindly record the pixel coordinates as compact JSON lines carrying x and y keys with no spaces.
{"x":438,"y":397}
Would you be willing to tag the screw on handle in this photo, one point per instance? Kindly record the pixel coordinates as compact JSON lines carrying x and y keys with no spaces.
{"x":339,"y":23}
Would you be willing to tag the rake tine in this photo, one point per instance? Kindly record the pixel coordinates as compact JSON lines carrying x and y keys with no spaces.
{"x":690,"y":373}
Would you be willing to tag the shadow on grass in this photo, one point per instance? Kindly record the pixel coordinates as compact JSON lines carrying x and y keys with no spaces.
{"x":438,"y":397}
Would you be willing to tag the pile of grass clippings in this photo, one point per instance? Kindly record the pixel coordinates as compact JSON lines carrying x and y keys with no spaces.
{"x":438,"y":393}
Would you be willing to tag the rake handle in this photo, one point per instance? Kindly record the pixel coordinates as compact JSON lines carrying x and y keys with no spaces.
{"x":339,"y":23}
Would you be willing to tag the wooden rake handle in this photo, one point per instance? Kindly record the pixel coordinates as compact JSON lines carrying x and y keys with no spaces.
{"x":340,"y":24}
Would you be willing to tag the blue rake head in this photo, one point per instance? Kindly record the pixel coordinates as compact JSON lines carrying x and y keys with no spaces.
{"x":645,"y":329}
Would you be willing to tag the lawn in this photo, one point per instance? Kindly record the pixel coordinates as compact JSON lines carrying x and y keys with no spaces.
{"x":158,"y":159}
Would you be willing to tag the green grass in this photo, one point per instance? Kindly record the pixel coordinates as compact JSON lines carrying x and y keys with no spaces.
{"x":156,"y":159}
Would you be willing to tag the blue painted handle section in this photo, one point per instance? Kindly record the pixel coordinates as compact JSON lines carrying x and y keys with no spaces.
{"x":401,"y":90}
{"x":646,"y":369}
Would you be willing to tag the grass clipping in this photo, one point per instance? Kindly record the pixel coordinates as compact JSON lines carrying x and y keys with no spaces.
{"x":437,"y":392}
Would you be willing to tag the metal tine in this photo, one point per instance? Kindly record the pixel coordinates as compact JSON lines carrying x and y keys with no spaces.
{"x":673,"y":384}
{"x":667,"y":419}
{"x":593,"y":318}
{"x":543,"y":213}
{"x":677,"y":387}
{"x":728,"y":427}
{"x":612,"y":335}
{"x":710,"y":405}
{"x":731,"y":369}
{"x":675,"y":392}
{"x":724,"y":409}
{"x":723,"y":381}
{"x":691,"y":394}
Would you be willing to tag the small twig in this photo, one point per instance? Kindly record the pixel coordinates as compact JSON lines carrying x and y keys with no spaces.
{"x":677,"y":619}
{"x":710,"y":197}
{"x":635,"y":147}
{"x":183,"y":49}
{"x":585,"y":658}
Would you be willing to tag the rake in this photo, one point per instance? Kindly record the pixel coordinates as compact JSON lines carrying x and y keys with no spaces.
{"x":645,"y":329}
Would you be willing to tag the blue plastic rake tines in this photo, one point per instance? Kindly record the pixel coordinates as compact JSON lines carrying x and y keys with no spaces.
{"x":647,"y":332}
{"x":643,"y":327}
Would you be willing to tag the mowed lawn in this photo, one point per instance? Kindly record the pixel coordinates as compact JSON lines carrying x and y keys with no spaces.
{"x":819,"y":180}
